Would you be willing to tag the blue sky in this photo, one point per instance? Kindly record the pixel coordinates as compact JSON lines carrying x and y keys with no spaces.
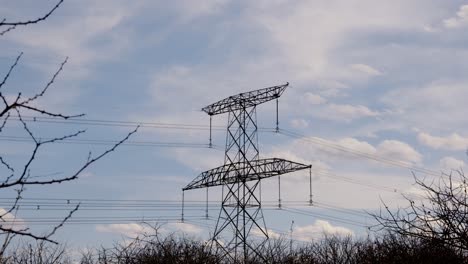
{"x":386,"y":78}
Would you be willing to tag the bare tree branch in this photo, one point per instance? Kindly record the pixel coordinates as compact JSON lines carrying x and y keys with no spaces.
{"x":12,"y":25}
{"x":76,"y":174}
{"x":5,"y":120}
{"x":5,"y":78}
{"x":20,"y":177}
{"x":442,"y":214}
{"x":17,"y":104}
{"x":7,"y":165}
{"x":27,"y":101}
{"x":61,"y":224}
{"x":3,"y":32}
{"x":45,"y":112}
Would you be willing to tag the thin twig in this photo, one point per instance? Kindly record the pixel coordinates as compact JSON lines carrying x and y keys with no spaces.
{"x":28,"y":22}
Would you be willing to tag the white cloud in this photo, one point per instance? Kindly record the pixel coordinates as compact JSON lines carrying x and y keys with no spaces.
{"x":11,"y":221}
{"x":332,"y":88}
{"x":314,"y":99}
{"x":451,"y":142}
{"x":397,"y":150}
{"x":429,"y":28}
{"x":356,"y":145}
{"x":290,"y":49}
{"x":309,"y":52}
{"x":271,"y":234}
{"x":299,"y":123}
{"x":366,"y":69}
{"x":438,"y":106}
{"x":318,"y":107}
{"x":346,"y":155}
{"x":318,"y":229}
{"x":129,"y":230}
{"x":185,"y":228}
{"x":451,"y":163}
{"x":460,"y":20}
{"x":297,"y":152}
{"x":347,"y":147}
{"x":133,"y":230}
{"x":191,"y":9}
{"x":309,"y":232}
{"x":198,"y":159}
{"x":345,"y":112}
{"x":74,"y":36}
{"x":415,"y":193}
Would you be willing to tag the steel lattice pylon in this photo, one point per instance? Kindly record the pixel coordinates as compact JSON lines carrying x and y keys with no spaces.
{"x":240,"y":176}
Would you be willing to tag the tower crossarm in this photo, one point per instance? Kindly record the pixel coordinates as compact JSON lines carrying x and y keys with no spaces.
{"x":245,"y":100}
{"x":253,"y":170}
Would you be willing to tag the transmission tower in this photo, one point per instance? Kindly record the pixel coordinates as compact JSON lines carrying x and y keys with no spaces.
{"x":240,"y":176}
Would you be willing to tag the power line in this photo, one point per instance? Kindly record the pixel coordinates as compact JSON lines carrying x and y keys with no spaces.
{"x":99,"y":222}
{"x":75,"y":220}
{"x":161,"y":205}
{"x":98,"y":199}
{"x":117,"y":123}
{"x":123,"y":203}
{"x":354,"y":181}
{"x":335,"y":208}
{"x":357,"y":153}
{"x":113,"y":142}
{"x":84,"y":207}
{"x":288,"y":133}
{"x":324,"y":216}
{"x":166,"y":205}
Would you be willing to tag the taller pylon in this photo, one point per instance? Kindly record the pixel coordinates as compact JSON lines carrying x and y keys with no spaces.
{"x":240,"y":176}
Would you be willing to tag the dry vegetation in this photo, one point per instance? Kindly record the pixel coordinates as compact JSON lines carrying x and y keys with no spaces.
{"x":388,"y":248}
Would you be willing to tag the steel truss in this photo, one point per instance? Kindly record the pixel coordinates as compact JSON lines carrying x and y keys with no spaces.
{"x":259,"y":169}
{"x":241,"y":214}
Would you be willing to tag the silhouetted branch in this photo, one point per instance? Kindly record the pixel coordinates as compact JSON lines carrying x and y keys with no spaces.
{"x":15,"y":204}
{"x":47,"y":86}
{"x":442,"y":214}
{"x":10,"y":28}
{"x":18,"y":103}
{"x":12,"y":25}
{"x":19,"y":177}
{"x":61,"y":224}
{"x":5,"y":78}
{"x":5,"y":120}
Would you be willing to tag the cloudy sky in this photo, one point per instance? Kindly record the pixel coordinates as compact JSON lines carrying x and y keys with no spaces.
{"x":376,"y":92}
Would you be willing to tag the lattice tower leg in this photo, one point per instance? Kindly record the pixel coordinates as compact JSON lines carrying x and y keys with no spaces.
{"x":240,"y":232}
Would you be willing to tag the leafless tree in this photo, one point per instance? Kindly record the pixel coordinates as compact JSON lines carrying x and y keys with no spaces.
{"x":151,"y":246}
{"x":39,"y":252}
{"x":439,"y":215}
{"x":13,"y":108}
